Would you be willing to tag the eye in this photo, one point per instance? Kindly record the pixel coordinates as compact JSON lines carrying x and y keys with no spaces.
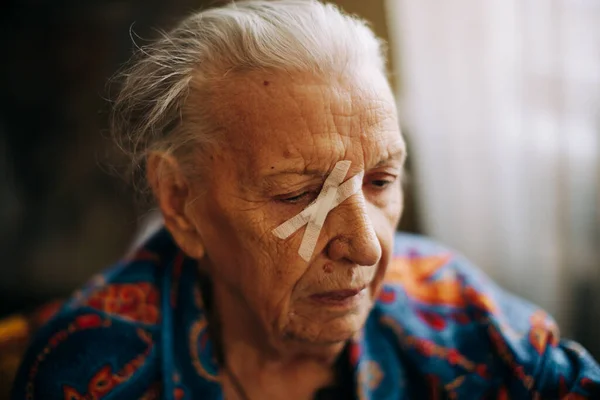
{"x":299,"y":198}
{"x":294,"y":199}
{"x":381,"y":183}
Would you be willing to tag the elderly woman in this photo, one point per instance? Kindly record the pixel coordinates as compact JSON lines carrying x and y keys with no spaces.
{"x":269,"y":138}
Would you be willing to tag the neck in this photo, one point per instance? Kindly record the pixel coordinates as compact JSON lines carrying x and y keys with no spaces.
{"x":246,"y":351}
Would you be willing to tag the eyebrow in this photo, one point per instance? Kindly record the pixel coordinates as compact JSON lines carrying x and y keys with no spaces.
{"x":312,"y":172}
{"x":270,"y":182}
{"x":397,"y":155}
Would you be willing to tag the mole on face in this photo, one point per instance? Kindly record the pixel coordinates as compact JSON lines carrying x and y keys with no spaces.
{"x":266,"y":83}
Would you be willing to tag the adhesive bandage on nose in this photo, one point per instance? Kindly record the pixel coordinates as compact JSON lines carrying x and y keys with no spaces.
{"x":333,"y":193}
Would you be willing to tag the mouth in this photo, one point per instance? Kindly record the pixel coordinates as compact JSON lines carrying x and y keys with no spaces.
{"x":344,"y":297}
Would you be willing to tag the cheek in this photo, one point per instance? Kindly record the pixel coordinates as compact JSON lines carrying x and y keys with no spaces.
{"x":385,"y":220}
{"x":385,"y":215}
{"x":222,"y":243}
{"x":272,"y":271}
{"x":394,"y":205}
{"x":250,"y":258}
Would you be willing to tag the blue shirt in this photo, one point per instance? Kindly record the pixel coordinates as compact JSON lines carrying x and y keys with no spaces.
{"x":439,"y":329}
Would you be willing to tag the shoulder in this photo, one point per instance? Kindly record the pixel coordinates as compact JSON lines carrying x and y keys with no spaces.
{"x":426,"y":275}
{"x":437,"y":304}
{"x":103,"y":339}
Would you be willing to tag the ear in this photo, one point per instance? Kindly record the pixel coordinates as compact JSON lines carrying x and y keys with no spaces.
{"x":173,"y":194}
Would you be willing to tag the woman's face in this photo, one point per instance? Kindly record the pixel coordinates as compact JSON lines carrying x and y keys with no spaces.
{"x":282,"y":138}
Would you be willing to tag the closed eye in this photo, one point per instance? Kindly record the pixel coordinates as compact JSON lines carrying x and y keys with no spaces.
{"x":299,"y":198}
{"x":381,"y":183}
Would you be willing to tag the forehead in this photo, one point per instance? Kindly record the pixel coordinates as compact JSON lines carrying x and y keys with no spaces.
{"x":277,"y":121}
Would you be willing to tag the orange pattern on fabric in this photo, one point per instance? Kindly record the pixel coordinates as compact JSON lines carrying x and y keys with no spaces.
{"x":99,"y":386}
{"x":505,"y":353}
{"x":480,"y":300}
{"x":136,"y":301}
{"x":414,"y":275}
{"x":154,"y":393}
{"x":428,"y":348}
{"x":178,"y":394}
{"x":370,"y":375}
{"x":197,"y":329}
{"x":542,"y":332}
{"x":101,"y":383}
{"x":105,"y":380}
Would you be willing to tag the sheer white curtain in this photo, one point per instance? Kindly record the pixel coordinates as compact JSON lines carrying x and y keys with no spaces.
{"x":500,"y":100}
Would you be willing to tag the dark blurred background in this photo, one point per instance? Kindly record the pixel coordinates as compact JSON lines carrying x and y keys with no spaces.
{"x":62,"y":216}
{"x":468,"y":93}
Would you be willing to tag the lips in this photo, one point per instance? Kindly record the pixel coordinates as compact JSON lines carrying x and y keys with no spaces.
{"x":338,"y":297}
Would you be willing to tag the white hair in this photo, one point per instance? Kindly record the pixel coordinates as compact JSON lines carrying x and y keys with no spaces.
{"x":281,"y":35}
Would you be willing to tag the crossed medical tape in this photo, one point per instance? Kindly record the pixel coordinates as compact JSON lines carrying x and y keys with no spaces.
{"x":333,"y":193}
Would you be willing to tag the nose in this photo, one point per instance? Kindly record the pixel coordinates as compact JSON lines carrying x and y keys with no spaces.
{"x":355,"y":240}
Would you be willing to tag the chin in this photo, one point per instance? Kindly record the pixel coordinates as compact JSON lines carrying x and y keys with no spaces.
{"x":327,"y":326}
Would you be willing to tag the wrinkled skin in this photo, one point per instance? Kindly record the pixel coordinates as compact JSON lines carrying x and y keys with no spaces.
{"x":275,"y":124}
